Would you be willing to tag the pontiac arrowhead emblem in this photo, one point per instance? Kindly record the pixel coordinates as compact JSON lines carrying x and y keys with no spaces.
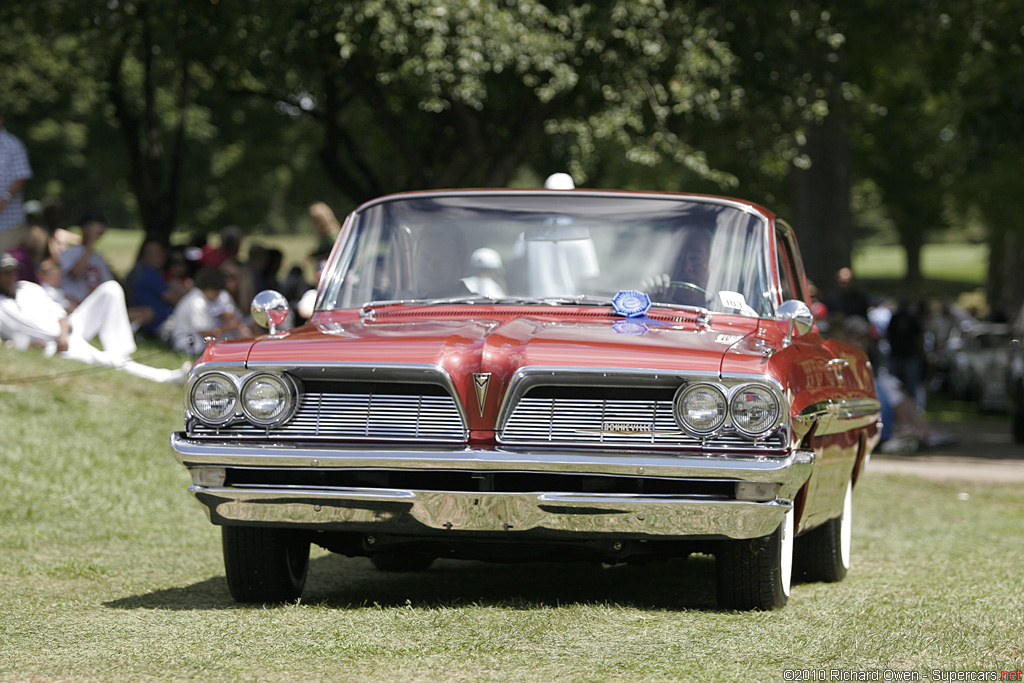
{"x":480,"y":382}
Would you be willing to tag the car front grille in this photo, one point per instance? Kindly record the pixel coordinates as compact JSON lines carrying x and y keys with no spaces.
{"x":399,"y":413}
{"x":612,"y":422}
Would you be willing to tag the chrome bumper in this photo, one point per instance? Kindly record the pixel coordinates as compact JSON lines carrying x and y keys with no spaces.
{"x":542,"y":514}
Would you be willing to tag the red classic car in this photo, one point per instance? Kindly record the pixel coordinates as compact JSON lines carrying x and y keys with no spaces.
{"x":533,"y":374}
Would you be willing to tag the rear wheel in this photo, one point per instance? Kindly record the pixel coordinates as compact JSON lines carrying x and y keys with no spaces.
{"x":824,"y":554}
{"x":264,"y":565}
{"x":755,"y":573}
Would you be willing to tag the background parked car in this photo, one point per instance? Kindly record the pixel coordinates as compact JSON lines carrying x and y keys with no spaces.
{"x":979,"y":363}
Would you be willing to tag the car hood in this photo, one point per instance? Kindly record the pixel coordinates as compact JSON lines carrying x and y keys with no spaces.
{"x":501,"y":342}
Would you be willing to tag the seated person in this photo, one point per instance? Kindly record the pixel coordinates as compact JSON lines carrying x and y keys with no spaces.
{"x":29,"y":317}
{"x":51,"y":277}
{"x":150,"y":290}
{"x":687,"y":282}
{"x":84,"y":267}
{"x":207,"y":310}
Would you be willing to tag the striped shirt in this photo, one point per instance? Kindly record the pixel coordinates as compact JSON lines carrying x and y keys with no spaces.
{"x":13,"y":166}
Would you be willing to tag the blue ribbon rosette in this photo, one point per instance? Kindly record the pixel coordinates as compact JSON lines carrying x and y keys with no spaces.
{"x":631,"y":303}
{"x":633,"y":306}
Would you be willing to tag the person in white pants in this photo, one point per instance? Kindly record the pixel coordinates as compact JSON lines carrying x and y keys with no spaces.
{"x":28,"y":316}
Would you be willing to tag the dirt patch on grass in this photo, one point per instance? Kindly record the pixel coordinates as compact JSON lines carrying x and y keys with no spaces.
{"x":984,"y":453}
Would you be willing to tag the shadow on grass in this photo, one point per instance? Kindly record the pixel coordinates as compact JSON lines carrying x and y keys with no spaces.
{"x":353,"y":583}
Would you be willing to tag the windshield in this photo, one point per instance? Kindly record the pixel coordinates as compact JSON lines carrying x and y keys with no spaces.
{"x":553,"y":247}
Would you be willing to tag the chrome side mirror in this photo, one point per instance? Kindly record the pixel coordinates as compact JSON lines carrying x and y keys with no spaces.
{"x":798,"y":318}
{"x":270,"y":310}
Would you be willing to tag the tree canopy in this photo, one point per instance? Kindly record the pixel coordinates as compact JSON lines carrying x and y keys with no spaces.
{"x":177,"y":115}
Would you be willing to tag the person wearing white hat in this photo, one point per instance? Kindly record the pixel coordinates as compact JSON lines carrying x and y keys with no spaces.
{"x":29,"y":317}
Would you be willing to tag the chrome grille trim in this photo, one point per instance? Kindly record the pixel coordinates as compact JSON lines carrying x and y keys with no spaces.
{"x":407,"y":402}
{"x":529,"y":420}
{"x":575,"y":422}
{"x":380,"y":417}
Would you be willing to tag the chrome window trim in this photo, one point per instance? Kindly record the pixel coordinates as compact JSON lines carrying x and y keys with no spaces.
{"x":767,"y":219}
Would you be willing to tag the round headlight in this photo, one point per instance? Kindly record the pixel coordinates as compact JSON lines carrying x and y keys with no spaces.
{"x":266,"y":399}
{"x":700,"y":409}
{"x":214,"y":398}
{"x":755,"y":410}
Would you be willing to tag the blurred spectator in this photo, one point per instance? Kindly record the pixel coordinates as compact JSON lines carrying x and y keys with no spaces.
{"x":150,"y":290}
{"x":84,"y":268}
{"x":46,"y":215}
{"x":30,"y":251}
{"x":178,"y":271}
{"x":207,"y":310}
{"x":905,"y":333}
{"x":230,"y":244}
{"x":14,"y":173}
{"x":29,"y":317}
{"x":847,"y":298}
{"x":294,"y":284}
{"x":238,"y":283}
{"x":904,"y":429}
{"x":326,"y":228}
{"x":256,"y":262}
{"x":50,"y":279}
{"x":818,"y":307}
{"x":303,"y":306}
{"x":272,"y":269}
{"x":264,"y":265}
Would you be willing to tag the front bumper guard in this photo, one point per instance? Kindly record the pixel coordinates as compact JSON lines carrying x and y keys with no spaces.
{"x":489,"y":514}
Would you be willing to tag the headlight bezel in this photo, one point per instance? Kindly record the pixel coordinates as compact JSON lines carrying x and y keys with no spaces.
{"x":770,"y":424}
{"x":680,"y":414}
{"x":239,"y":380}
{"x":232,"y":386}
{"x":729,"y":388}
{"x":290,"y":398}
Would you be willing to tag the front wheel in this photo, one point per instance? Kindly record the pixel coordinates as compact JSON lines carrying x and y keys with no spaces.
{"x":824,"y":554}
{"x":264,"y":565}
{"x":756,"y":573}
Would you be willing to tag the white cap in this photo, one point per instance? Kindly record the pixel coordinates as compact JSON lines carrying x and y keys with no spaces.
{"x":559,"y":181}
{"x":485,"y":258}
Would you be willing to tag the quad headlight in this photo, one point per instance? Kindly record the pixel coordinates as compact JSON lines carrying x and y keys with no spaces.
{"x":214,"y":398}
{"x":706,"y":408}
{"x":267,"y":399}
{"x":701,"y":409}
{"x":263,"y":399}
{"x":755,"y":410}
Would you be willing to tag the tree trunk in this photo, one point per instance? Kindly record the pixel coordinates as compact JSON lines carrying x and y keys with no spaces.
{"x":912,"y":244}
{"x":1004,"y":287}
{"x":820,"y":197}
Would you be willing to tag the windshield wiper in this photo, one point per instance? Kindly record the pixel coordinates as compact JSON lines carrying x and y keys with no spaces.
{"x":369,"y":309}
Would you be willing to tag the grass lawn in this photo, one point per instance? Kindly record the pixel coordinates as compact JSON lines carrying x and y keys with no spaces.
{"x":954,"y":271}
{"x":109,"y":570}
